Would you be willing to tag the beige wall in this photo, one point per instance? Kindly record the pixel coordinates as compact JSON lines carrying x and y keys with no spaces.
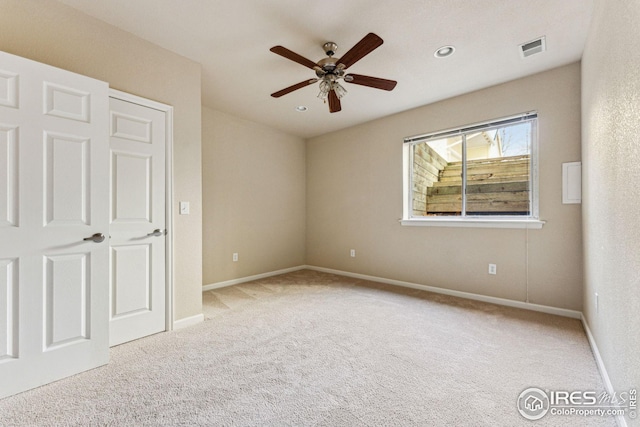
{"x":611,"y":192}
{"x":253,"y":198}
{"x":354,"y":200}
{"x":55,"y":34}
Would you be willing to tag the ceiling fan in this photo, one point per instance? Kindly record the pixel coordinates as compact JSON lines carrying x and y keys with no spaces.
{"x":329,"y":71}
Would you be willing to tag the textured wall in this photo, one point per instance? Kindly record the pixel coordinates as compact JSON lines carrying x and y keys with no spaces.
{"x":57,"y":35}
{"x":354,"y":200}
{"x":611,"y":192}
{"x":253,"y":198}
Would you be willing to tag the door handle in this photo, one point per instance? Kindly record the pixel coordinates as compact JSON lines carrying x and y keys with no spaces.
{"x":96,"y":238}
{"x":157,"y":232}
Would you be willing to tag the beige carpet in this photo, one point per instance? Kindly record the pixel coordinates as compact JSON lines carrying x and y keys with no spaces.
{"x":314,"y":349}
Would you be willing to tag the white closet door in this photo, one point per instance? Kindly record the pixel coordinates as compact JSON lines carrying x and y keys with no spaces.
{"x":138,"y":285}
{"x":54,"y":194}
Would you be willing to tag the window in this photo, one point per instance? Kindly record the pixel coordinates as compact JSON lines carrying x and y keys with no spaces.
{"x":479,"y":173}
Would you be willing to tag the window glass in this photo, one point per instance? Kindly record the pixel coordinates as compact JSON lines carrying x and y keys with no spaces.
{"x":478,"y":171}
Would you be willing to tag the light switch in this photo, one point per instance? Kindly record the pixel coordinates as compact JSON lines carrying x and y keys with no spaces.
{"x":184,"y":208}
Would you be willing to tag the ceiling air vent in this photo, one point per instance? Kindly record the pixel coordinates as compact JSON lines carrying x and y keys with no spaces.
{"x":534,"y":46}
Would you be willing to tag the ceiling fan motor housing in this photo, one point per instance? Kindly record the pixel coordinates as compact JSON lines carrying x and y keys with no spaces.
{"x":329,"y":66}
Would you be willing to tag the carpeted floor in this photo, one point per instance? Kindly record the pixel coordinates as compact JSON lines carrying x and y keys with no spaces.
{"x":315,"y":349}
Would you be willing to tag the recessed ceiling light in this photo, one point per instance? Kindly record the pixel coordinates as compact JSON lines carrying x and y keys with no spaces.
{"x":301,"y":108}
{"x":444,"y":51}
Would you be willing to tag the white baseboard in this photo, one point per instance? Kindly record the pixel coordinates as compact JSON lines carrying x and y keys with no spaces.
{"x":232,"y":282}
{"x":468,"y":295}
{"x":188,"y":321}
{"x":620,"y":420}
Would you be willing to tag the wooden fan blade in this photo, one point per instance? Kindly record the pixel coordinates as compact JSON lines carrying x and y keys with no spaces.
{"x":283,"y":51}
{"x":374,"y":82}
{"x":296,"y":86}
{"x":364,"y":47}
{"x":334,"y":102}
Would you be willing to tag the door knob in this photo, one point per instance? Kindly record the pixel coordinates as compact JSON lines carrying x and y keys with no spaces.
{"x":157,"y":232}
{"x":96,"y":238}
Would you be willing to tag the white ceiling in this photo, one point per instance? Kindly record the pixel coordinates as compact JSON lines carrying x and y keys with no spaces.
{"x":231,"y":39}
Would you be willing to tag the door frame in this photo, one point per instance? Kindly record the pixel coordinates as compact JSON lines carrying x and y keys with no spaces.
{"x":168,"y":110}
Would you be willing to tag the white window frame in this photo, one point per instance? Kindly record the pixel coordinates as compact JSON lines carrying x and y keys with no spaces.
{"x":531,"y":221}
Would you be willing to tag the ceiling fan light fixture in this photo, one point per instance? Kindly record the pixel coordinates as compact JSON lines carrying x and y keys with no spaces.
{"x":444,"y":51}
{"x":339,"y":89}
{"x":327,"y":85}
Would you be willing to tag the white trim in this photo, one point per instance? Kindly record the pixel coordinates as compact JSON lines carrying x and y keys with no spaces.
{"x":232,"y":282}
{"x":596,"y":355}
{"x":620,"y":420}
{"x":170,"y":297}
{"x":467,"y":295}
{"x":135,"y":99}
{"x":473,"y":222}
{"x":188,"y":321}
{"x":168,"y":110}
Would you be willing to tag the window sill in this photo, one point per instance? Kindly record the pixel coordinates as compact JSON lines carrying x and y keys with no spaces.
{"x":473,"y":222}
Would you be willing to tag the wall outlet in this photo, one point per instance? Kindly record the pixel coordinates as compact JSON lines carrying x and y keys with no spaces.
{"x":235,"y":257}
{"x":352,"y":253}
{"x":493,"y":269}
